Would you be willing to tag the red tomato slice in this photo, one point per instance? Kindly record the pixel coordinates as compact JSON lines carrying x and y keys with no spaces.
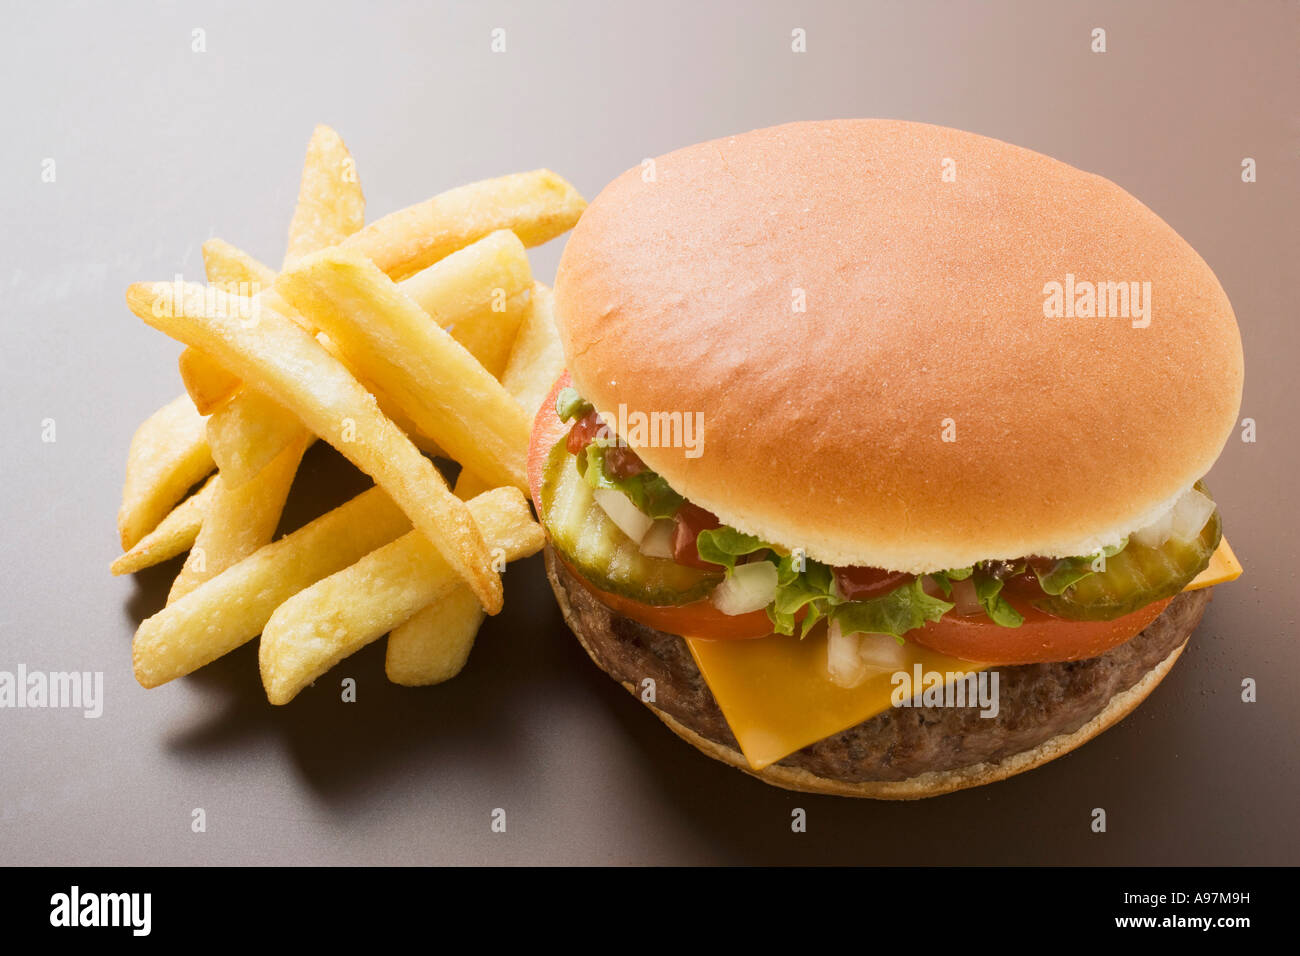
{"x":1042,"y":638}
{"x":547,"y":430}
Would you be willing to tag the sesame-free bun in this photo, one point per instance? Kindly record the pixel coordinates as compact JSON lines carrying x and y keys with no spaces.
{"x":856,"y":309}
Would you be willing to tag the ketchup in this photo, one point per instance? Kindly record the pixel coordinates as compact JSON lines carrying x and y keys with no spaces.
{"x":863,"y":584}
{"x":585,"y":430}
{"x":689,"y":521}
{"x":620,"y":460}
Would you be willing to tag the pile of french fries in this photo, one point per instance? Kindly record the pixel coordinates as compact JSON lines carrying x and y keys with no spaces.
{"x":421,"y":334}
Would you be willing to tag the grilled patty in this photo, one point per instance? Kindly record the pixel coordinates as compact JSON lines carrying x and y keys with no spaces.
{"x":1036,"y":701}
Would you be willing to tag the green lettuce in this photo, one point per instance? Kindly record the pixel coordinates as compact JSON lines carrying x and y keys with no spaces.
{"x":646,"y":489}
{"x":801,"y":584}
{"x":945,"y":578}
{"x":988,"y":589}
{"x":724,"y":545}
{"x":903,"y":609}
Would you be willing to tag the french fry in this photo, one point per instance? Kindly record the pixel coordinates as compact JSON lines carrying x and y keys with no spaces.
{"x":169,"y":453}
{"x":470,"y":485}
{"x":246,"y":508}
{"x":277,"y":356}
{"x":239,"y":520}
{"x":331,"y":206}
{"x":432,"y":378}
{"x":460,"y":293}
{"x":479,"y":295}
{"x":232,"y":608}
{"x":209,"y":385}
{"x":535,"y":206}
{"x":249,"y":433}
{"x":433,"y":645}
{"x":174,"y":534}
{"x":537,"y":358}
{"x":233,"y":270}
{"x":338,"y":615}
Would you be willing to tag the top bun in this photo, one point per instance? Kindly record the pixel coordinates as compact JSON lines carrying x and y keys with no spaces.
{"x":856,"y":308}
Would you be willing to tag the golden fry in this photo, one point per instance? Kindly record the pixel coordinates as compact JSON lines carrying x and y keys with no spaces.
{"x":174,"y":534}
{"x":433,"y":379}
{"x":340,"y":614}
{"x":272,"y":353}
{"x":535,"y":206}
{"x":231,"y":609}
{"x":169,"y":454}
{"x":537,"y":358}
{"x":434,"y":644}
{"x":331,"y":206}
{"x":239,"y":520}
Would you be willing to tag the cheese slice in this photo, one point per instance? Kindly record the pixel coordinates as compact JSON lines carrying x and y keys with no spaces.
{"x":778,"y":698}
{"x":1223,"y":567}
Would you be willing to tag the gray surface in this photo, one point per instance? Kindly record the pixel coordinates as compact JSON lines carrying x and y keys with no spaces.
{"x":158,"y":148}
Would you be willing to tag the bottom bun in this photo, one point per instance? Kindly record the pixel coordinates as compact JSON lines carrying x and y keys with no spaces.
{"x":1046,"y":710}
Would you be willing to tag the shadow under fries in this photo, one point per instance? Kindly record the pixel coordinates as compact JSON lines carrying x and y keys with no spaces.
{"x":347,"y":752}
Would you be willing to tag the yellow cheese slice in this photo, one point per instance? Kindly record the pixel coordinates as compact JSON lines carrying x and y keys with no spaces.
{"x":778,"y":698}
{"x":1223,"y":567}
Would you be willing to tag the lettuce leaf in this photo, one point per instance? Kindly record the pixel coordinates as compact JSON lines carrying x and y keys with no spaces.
{"x":724,"y":545}
{"x":647,"y":490}
{"x":813,"y":588}
{"x":901,"y":610}
{"x":945,"y":578}
{"x":988,"y":589}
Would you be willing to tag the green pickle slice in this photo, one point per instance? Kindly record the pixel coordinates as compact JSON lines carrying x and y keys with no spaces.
{"x":1137,"y":576}
{"x":605,"y":556}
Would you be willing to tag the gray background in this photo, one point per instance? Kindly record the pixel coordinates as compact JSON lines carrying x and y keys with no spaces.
{"x":158,"y":148}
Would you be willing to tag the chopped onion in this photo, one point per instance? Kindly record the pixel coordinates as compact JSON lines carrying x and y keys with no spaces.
{"x":629,"y":518}
{"x":750,"y":587}
{"x":1190,"y":514}
{"x":1157,"y":532}
{"x":844,"y":661}
{"x":881,"y":652}
{"x":658,"y":541}
{"x":1183,"y":521}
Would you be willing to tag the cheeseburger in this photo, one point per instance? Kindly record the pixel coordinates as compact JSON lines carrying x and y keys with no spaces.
{"x":877,"y":466}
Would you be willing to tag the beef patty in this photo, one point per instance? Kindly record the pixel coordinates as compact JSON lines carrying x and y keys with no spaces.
{"x":1036,"y":701}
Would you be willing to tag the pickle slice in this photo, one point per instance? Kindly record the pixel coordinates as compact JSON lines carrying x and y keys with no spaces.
{"x":1137,"y":576}
{"x":604,"y":555}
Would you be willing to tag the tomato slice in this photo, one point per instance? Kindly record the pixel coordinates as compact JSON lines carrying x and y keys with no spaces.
{"x":547,"y":430}
{"x":1040,"y":639}
{"x":698,"y":619}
